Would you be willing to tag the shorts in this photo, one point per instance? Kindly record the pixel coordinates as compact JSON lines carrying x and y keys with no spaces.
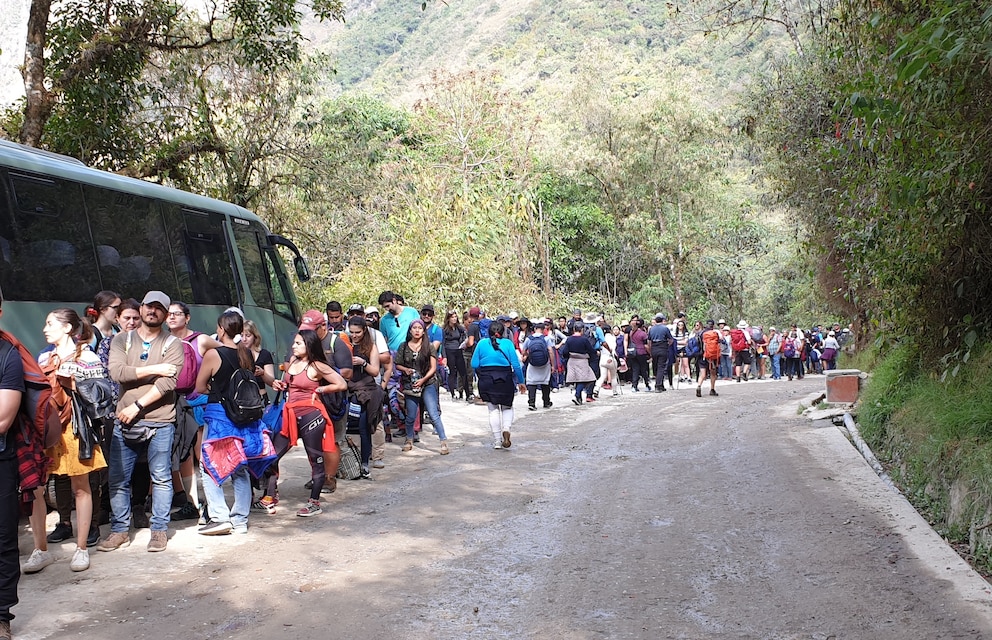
{"x":705,"y":364}
{"x":743,"y":357}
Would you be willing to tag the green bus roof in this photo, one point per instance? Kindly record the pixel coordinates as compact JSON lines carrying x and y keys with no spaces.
{"x":17,"y":156}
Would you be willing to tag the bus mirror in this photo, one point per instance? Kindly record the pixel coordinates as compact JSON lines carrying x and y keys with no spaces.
{"x":302,"y":270}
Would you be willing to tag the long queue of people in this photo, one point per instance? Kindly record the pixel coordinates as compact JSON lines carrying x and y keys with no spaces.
{"x":175,"y":413}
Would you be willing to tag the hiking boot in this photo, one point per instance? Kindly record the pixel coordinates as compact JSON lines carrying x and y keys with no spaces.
{"x":61,"y":533}
{"x":215,"y":529}
{"x":179,"y":499}
{"x":118,"y":540}
{"x":506,"y":440}
{"x":312,"y":508}
{"x":80,"y":560}
{"x":699,"y":392}
{"x":186,"y":512}
{"x":37,"y":561}
{"x":94,"y":535}
{"x":158,"y":541}
{"x":713,"y":392}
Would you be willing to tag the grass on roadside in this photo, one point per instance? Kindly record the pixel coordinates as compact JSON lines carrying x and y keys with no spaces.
{"x":937,"y":440}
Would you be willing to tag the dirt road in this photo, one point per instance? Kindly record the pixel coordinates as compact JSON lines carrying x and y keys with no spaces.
{"x":646,"y":516}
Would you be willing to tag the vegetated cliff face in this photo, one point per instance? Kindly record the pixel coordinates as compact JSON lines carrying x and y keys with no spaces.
{"x":13,"y":30}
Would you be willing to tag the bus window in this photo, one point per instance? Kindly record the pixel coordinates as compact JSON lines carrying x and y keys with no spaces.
{"x":47,"y":243}
{"x":208,"y":259}
{"x":132,"y":243}
{"x":248,"y":236}
{"x":282,"y":290}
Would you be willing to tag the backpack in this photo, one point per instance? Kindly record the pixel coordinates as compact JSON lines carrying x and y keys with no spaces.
{"x":692,"y":346}
{"x":36,"y":416}
{"x":711,"y":345}
{"x":738,"y":342}
{"x":186,"y":381}
{"x":757,"y":335}
{"x":537,"y":356}
{"x":590,"y":333}
{"x":484,"y":328}
{"x":789,"y":348}
{"x":241,"y":398}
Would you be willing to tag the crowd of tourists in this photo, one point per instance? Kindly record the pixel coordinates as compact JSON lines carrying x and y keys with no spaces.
{"x":138,"y":412}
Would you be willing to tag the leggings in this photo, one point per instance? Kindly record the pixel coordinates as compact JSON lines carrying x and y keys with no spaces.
{"x":311,"y":430}
{"x":500,"y":419}
{"x":457,"y":372}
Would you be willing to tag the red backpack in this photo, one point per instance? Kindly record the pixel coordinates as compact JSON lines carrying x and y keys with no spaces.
{"x":711,"y":345}
{"x":37,"y":418}
{"x":738,"y":341}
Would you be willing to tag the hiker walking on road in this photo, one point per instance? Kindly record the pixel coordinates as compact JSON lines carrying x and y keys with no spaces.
{"x":497,"y":366}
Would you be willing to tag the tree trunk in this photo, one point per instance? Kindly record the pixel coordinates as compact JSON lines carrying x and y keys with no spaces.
{"x":39,"y":103}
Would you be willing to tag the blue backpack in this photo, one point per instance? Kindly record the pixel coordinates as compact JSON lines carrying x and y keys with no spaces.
{"x":693,"y":348}
{"x":537,"y":352}
{"x":484,"y":327}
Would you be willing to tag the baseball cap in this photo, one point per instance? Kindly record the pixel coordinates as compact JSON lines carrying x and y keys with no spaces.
{"x":374,"y":310}
{"x":312,"y":319}
{"x":659,"y":317}
{"x":475,"y":311}
{"x":427,"y":307}
{"x":157,"y":296}
{"x":356,"y":308}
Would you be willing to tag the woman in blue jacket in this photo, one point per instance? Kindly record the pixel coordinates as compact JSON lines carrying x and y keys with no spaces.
{"x":497,"y":366}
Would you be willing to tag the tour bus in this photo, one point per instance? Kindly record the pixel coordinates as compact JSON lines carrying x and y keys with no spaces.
{"x":68,"y":231}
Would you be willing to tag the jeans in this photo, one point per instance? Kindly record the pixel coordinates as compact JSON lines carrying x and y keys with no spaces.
{"x":217,"y":504}
{"x":10,"y":569}
{"x":365,"y":436}
{"x":121,"y":461}
{"x":430,"y":402}
{"x":776,"y":366}
{"x":726,"y":368}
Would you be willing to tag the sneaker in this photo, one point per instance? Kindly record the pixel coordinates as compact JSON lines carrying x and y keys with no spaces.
{"x":365,"y":474}
{"x":93,"y":537}
{"x":80,"y":560}
{"x":699,"y":392}
{"x":660,"y":389}
{"x":117,"y":540}
{"x":186,"y":512}
{"x":179,"y":499}
{"x":312,"y":508}
{"x":215,"y":529}
{"x":241,"y":530}
{"x":576,"y":402}
{"x":61,"y":533}
{"x":37,"y":561}
{"x":497,"y":444}
{"x":378,"y":464}
{"x":548,"y":405}
{"x":713,"y":392}
{"x":506,"y":440}
{"x":590,"y":399}
{"x":635,"y":389}
{"x":532,"y":407}
{"x":265,"y":504}
{"x":444,"y":449}
{"x":204,"y":516}
{"x":158,"y":541}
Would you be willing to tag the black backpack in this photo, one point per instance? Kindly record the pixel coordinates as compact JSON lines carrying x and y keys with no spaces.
{"x":241,"y":398}
{"x":539,"y":356}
